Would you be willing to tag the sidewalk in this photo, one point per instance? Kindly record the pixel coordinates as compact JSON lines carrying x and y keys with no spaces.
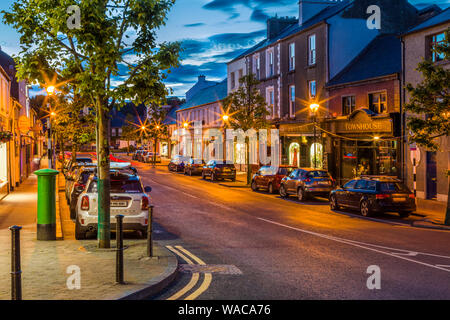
{"x":45,"y":263}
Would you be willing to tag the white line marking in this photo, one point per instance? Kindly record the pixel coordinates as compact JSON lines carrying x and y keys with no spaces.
{"x":361,"y":245}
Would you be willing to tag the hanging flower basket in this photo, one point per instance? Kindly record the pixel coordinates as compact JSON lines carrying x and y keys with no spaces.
{"x":5,"y":136}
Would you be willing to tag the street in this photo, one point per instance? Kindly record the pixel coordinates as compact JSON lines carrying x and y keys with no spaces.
{"x":258,"y":246}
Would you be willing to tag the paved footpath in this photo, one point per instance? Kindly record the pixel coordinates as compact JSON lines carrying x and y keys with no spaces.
{"x":49,"y":268}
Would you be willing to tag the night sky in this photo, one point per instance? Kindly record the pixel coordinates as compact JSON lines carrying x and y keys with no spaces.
{"x":212,"y":33}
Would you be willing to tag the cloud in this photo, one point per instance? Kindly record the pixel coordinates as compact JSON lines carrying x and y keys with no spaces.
{"x":194,"y":25}
{"x":259,"y":16}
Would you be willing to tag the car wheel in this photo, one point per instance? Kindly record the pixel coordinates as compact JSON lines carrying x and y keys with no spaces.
{"x":365,"y":209}
{"x":404,"y":214}
{"x":270,"y":188}
{"x":254,"y":187}
{"x":233,"y":179}
{"x":301,"y":195}
{"x":333,"y":203}
{"x":79,"y":233}
{"x":283,"y":192}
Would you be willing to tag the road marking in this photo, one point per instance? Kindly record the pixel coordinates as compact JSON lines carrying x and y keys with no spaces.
{"x":207,"y":279}
{"x":192,"y":282}
{"x":364,"y":245}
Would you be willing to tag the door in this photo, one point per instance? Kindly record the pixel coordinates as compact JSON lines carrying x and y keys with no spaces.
{"x":292,"y":181}
{"x":431,"y":175}
{"x":343,"y":196}
{"x":356,"y":193}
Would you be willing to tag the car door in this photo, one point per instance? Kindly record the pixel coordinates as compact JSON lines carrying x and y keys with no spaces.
{"x":358,"y":192}
{"x":343,"y":193}
{"x":292,"y":181}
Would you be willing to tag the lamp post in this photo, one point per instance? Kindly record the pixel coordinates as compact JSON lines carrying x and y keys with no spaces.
{"x":314,"y":107}
{"x":50,"y":91}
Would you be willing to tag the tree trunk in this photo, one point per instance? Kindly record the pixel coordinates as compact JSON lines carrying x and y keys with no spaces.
{"x":447,"y":214}
{"x":128,"y":147}
{"x":74,"y":152}
{"x":103,"y":178}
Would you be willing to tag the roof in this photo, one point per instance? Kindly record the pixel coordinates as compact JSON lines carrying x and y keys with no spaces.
{"x":438,"y":19}
{"x":323,"y":15}
{"x":9,"y":65}
{"x":372,"y":62}
{"x":207,"y":95}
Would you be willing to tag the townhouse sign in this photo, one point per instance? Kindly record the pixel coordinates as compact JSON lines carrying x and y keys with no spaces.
{"x":363,"y":123}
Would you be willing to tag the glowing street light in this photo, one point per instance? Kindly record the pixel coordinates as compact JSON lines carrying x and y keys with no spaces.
{"x":53,"y":114}
{"x":50,"y":90}
{"x":376,"y":138}
{"x":225,"y":117}
{"x":185,"y":124}
{"x":314,"y":107}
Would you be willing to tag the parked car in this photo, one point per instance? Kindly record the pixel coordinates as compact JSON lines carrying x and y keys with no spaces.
{"x":216,"y":171}
{"x":148,"y":158}
{"x":269,"y":178}
{"x":72,"y":177}
{"x":177,"y":163}
{"x":194,"y":166}
{"x":78,"y":161}
{"x":128,"y":197}
{"x":306,"y":182}
{"x":371,"y":194}
{"x":141,"y":155}
{"x":78,"y":186}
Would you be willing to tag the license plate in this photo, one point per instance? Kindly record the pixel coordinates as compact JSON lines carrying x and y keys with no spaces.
{"x":119,"y":204}
{"x":324,"y":183}
{"x":398,"y":199}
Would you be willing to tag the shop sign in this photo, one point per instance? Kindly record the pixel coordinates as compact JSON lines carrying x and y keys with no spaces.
{"x":24,"y":124}
{"x":361,"y":123}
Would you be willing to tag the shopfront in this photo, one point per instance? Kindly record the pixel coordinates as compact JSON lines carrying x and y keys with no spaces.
{"x":364,"y":144}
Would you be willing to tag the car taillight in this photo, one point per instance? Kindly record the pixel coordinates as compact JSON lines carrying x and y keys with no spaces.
{"x":382,"y":196}
{"x":144,"y":203}
{"x":412,"y":196}
{"x":308,"y":180}
{"x":85,"y":203}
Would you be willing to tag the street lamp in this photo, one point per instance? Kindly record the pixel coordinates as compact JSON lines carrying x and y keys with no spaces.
{"x":314,"y":107}
{"x":50,"y":90}
{"x":225,"y":117}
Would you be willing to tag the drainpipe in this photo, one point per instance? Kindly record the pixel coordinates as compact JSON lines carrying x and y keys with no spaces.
{"x":403,"y":116}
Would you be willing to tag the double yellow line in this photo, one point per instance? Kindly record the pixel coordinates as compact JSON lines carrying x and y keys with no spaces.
{"x":190,"y":258}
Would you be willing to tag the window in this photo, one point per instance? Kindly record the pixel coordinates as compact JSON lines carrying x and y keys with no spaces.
{"x":233,"y":80}
{"x":270,"y":63}
{"x":377,"y":102}
{"x":291,"y":56}
{"x":348,"y":105}
{"x":312,"y":50}
{"x":292,"y":101}
{"x":350,"y":185}
{"x":241,"y":74}
{"x":270,"y":99}
{"x":312,"y":89}
{"x":361,"y":184}
{"x":437,"y":40}
{"x":256,"y":66}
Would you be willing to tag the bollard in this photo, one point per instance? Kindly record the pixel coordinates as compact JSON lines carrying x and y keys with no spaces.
{"x":150,"y":232}
{"x":46,"y":209}
{"x":119,"y":249}
{"x":16,"y":273}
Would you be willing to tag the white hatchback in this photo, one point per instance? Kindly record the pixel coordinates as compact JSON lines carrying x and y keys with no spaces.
{"x":128,"y":198}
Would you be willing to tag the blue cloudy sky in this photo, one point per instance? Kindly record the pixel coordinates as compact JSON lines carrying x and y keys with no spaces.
{"x":212,"y":33}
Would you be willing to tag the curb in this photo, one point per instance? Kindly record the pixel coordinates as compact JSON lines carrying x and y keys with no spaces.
{"x":429,"y":225}
{"x":157,"y":284}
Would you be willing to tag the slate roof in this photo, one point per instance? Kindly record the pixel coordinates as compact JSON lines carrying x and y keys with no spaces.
{"x":440,"y":18}
{"x":381,"y":57}
{"x":323,"y":15}
{"x":207,"y":95}
{"x":9,"y":65}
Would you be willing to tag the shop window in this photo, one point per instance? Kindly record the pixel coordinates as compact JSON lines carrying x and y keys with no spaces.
{"x":378,"y":102}
{"x":316,"y":153}
{"x":348,"y":105}
{"x":294,"y":158}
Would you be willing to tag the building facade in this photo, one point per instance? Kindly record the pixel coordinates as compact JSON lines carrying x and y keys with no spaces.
{"x":432,"y":167}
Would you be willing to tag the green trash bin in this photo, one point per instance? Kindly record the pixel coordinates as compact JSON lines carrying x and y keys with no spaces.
{"x":46,"y":211}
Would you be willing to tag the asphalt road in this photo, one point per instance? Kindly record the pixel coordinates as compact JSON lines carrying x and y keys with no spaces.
{"x":258,"y":246}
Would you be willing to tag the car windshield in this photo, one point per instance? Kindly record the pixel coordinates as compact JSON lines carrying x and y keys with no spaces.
{"x":285,"y":171}
{"x":392,"y":187}
{"x":318,"y":174}
{"x":120,"y":186}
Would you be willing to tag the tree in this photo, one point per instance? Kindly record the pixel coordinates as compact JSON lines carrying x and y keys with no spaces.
{"x":130,"y":131}
{"x":112,"y":35}
{"x":247,"y":110}
{"x":157,"y":129}
{"x":430,"y":105}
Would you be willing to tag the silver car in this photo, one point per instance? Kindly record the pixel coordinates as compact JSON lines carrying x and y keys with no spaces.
{"x":128,"y":198}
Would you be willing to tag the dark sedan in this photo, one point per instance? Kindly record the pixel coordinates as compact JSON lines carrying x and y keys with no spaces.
{"x":370,"y":194}
{"x":178,"y":163}
{"x":216,"y":170}
{"x":194,"y":167}
{"x":269,"y":178}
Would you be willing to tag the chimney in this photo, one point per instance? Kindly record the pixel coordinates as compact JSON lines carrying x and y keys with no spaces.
{"x":275,"y":25}
{"x":201,"y":78}
{"x":309,"y":8}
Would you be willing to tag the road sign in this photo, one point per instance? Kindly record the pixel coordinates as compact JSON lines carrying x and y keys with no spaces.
{"x":24,"y":124}
{"x":415,"y":155}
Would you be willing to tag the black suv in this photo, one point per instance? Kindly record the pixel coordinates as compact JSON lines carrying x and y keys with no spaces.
{"x":372,"y":194}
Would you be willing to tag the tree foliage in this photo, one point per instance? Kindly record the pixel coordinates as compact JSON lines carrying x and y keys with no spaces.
{"x":430,"y":101}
